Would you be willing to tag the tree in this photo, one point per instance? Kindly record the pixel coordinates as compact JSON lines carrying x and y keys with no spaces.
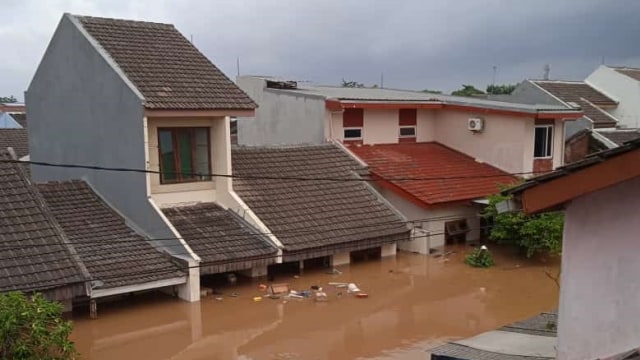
{"x":352,"y":84}
{"x":540,"y":233}
{"x":33,"y":328}
{"x":8,"y":99}
{"x":467,"y":90}
{"x":500,"y":89}
{"x":428,"y":91}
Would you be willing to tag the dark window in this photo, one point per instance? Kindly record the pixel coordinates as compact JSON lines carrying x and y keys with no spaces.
{"x":407,"y":131}
{"x":352,"y":133}
{"x":184,"y":155}
{"x":543,"y":142}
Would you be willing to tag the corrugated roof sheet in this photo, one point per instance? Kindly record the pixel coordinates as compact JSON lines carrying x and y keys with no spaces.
{"x":33,"y":255}
{"x":165,"y":67}
{"x":112,"y":252}
{"x":466,"y":179}
{"x":223,"y":240}
{"x":308,"y":214}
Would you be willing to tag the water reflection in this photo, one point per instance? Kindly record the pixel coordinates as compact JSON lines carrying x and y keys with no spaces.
{"x":414,"y":302}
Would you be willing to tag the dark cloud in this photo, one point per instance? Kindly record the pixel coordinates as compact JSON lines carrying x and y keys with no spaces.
{"x":416,"y":43}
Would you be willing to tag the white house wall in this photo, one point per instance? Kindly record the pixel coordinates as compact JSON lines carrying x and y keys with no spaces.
{"x":380,"y":127}
{"x":599,"y":311}
{"x":621,"y":88}
{"x":426,"y":126}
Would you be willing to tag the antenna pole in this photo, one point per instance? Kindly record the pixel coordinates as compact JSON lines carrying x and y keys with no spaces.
{"x":381,"y":80}
{"x":493,"y":78}
{"x":547,"y":69}
{"x":238,"y":65}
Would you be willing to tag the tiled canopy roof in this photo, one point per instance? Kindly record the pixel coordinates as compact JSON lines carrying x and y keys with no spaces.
{"x":621,"y":136}
{"x":456,"y":177}
{"x":223,"y":240}
{"x":18,"y":139}
{"x":165,"y":67}
{"x":33,"y":252}
{"x":314,"y":214}
{"x":633,"y":73}
{"x":112,"y":252}
{"x":585,"y":96}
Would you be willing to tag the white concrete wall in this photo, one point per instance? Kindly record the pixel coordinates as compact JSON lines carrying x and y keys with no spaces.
{"x":506,"y":142}
{"x":281,"y":117}
{"x":599,"y":297}
{"x":432,"y":220}
{"x":380,"y":126}
{"x":621,"y":88}
{"x":341,"y":258}
{"x":388,"y":250}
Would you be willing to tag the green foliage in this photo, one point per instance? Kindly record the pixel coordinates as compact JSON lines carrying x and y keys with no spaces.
{"x":467,"y":90}
{"x":540,"y":233}
{"x":500,"y":89}
{"x":33,"y":328}
{"x":8,"y":99}
{"x":352,"y":84}
{"x":428,"y":91}
{"x":480,"y":257}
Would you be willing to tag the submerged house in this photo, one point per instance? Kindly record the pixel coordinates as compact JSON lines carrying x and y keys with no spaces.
{"x":457,"y":150}
{"x":598,"y":312}
{"x":63,"y":240}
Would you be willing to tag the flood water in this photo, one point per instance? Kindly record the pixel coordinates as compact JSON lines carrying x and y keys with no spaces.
{"x":415,"y":302}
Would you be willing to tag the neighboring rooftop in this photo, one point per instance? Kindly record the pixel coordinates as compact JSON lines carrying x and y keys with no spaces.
{"x":164,"y":66}
{"x":620,"y":136}
{"x":315,"y":217}
{"x":18,"y":139}
{"x":222,"y":239}
{"x":582,"y":94}
{"x":457,"y":177}
{"x":112,"y":252}
{"x":531,"y":339}
{"x":633,"y":73}
{"x":349,"y":94}
{"x":35,"y":254}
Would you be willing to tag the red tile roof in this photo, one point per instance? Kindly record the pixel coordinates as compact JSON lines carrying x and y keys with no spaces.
{"x":451,"y":176}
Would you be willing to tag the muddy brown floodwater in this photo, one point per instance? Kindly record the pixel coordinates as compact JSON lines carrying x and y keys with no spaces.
{"x":415,"y":303}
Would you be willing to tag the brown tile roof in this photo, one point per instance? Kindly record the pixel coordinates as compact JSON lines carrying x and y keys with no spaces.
{"x":312,"y":215}
{"x":112,"y":252}
{"x":223,"y":240}
{"x":458,"y":176}
{"x":621,"y":136}
{"x":33,"y":252}
{"x":18,"y":139}
{"x":633,"y":73}
{"x":165,"y":67}
{"x":585,"y":96}
{"x":20,"y":118}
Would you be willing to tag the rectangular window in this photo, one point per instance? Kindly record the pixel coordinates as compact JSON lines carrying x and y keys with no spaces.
{"x":353,"y":133}
{"x":184,"y":154}
{"x":407,"y":131}
{"x":543,"y":142}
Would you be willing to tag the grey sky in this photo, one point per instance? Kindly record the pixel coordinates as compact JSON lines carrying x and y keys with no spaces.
{"x":416,"y":43}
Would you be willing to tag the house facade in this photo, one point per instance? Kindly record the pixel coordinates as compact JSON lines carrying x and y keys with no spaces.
{"x":598,"y":306}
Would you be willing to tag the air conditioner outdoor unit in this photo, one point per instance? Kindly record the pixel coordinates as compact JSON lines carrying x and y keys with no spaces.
{"x":475,"y":124}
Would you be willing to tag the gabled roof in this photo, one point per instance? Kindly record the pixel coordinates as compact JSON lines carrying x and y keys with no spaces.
{"x":457,"y":177}
{"x":164,"y":66}
{"x":314,"y":216}
{"x":18,"y":139}
{"x":112,"y":252}
{"x":223,"y":240}
{"x":587,"y":97}
{"x":34,"y":253}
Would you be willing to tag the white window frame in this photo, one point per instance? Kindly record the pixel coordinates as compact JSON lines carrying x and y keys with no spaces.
{"x":415,"y":131}
{"x":550,"y":156}
{"x":344,"y":130}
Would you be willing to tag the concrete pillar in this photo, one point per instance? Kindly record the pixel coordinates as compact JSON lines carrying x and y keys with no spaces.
{"x":93,"y":309}
{"x":388,"y":250}
{"x":341,"y":258}
{"x":191,"y":290}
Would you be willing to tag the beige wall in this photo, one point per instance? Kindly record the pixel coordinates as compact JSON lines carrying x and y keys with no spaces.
{"x":426,"y":126}
{"x":164,"y":194}
{"x":336,"y":131}
{"x":432,"y":220}
{"x":506,"y":142}
{"x":380,"y":126}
